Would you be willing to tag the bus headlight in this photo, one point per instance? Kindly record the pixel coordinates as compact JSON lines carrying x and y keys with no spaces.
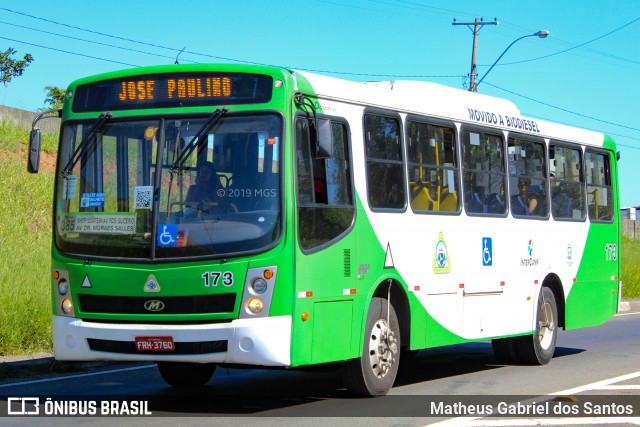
{"x":255,"y":305}
{"x":63,"y":287}
{"x":259,"y":285}
{"x":67,"y":306}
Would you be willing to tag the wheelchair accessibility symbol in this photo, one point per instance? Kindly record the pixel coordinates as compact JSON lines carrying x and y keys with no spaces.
{"x":167,"y":234}
{"x":487,"y":251}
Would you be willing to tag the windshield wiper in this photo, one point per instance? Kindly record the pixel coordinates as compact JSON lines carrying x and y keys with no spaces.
{"x":188,"y":149}
{"x":91,"y":136}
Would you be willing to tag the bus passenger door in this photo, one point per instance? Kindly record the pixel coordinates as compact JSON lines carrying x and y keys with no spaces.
{"x":325,"y":284}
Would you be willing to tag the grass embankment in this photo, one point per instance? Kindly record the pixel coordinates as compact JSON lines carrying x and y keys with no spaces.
{"x":25,"y":242}
{"x":630,"y":262}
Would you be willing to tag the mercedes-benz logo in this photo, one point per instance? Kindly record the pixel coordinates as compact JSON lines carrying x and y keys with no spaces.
{"x":154,"y":305}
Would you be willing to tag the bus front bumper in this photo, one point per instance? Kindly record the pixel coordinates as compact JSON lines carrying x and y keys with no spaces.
{"x":263,"y":341}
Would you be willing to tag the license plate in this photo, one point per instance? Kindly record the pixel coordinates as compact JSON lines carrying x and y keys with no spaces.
{"x":154,"y":344}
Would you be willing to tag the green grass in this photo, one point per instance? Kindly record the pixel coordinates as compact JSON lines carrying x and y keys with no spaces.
{"x":630,"y":261}
{"x":25,"y":245}
{"x":25,"y":242}
{"x":14,"y":138}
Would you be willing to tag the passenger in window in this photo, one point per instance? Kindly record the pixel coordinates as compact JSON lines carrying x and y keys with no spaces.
{"x":320,"y":190}
{"x":320,"y":182}
{"x":207,"y":186}
{"x":527,"y":201}
{"x":560,"y":201}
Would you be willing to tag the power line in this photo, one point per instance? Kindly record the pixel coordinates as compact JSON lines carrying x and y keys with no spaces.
{"x":87,"y":30}
{"x":346,"y":73}
{"x":311,"y":70}
{"x":85,"y":40}
{"x":69,"y":52}
{"x":563,"y":109}
{"x":578,"y":46}
{"x":424,"y":6}
{"x":176,"y":50}
{"x":384,"y":3}
{"x":554,"y":120}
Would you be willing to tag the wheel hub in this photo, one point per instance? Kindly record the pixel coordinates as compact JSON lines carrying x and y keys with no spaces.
{"x":383,"y":347}
{"x":546,"y":326}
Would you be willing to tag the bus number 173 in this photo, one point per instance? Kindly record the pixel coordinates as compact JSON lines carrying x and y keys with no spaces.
{"x":212,"y":278}
{"x":610,"y":252}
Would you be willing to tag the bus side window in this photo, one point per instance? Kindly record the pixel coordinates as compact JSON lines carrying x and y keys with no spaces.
{"x":385,"y":168}
{"x":325,"y":200}
{"x":567,"y":191}
{"x":527,"y":177}
{"x":599,"y":190}
{"x":433,"y":167}
{"x":484,"y":173}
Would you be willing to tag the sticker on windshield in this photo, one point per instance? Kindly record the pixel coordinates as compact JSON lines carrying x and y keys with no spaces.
{"x":99,"y":223}
{"x":167,"y":234}
{"x":69,"y":187}
{"x":142,"y":197}
{"x":92,"y":200}
{"x":149,"y":133}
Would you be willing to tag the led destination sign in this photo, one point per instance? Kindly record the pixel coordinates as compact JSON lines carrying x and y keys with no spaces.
{"x":172,"y":90}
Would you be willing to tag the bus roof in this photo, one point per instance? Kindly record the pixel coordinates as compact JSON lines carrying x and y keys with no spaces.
{"x":444,"y":102}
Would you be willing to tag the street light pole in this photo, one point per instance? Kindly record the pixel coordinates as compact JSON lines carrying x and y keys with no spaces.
{"x":541,"y":34}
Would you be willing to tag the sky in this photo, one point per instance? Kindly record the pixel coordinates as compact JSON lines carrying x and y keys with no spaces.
{"x":584,"y":74}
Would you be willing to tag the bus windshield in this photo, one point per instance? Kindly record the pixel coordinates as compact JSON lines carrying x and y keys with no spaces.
{"x":126,"y":198}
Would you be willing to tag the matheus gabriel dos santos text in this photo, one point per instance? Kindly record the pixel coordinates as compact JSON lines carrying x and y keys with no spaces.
{"x":547,"y":408}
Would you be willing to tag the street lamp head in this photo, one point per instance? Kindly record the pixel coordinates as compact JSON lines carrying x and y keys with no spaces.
{"x":542,"y":34}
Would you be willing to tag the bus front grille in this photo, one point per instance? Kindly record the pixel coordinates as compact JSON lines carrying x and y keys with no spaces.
{"x":199,"y":304}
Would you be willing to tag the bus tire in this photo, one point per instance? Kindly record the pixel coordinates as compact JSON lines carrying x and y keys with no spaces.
{"x":538,"y":348}
{"x":374,"y":373}
{"x":179,"y":374}
{"x":505,"y":350}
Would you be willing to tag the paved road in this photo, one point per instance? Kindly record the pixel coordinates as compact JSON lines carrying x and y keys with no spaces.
{"x":589,"y":361}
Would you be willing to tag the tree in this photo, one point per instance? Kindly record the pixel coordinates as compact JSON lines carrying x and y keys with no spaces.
{"x":55,"y":98}
{"x":10,"y":68}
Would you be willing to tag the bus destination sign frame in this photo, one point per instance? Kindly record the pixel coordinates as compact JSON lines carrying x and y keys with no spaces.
{"x":172,"y":90}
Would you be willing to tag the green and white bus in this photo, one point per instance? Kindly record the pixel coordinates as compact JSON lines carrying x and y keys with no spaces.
{"x":212,"y":215}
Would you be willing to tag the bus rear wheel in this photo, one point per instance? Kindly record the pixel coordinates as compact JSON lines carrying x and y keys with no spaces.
{"x":374,"y":373}
{"x":179,"y":374}
{"x":538,"y":349}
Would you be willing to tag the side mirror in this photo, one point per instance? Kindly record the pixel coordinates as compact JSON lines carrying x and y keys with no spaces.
{"x":35,"y":141}
{"x":324,"y":141}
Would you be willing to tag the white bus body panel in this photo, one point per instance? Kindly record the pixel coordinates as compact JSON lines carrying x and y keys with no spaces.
{"x":471,"y":300}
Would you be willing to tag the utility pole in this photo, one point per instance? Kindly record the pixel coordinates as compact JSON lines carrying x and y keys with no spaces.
{"x":477,"y":25}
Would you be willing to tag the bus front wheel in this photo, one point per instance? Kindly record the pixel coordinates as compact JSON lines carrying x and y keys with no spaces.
{"x":374,"y":373}
{"x":179,"y":374}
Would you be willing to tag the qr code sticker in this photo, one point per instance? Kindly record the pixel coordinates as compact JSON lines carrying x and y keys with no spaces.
{"x":143,"y":197}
